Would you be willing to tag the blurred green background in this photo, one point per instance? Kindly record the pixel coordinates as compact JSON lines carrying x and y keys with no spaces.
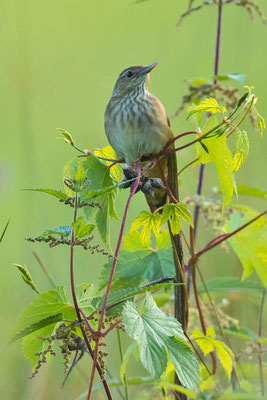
{"x":59,"y":63}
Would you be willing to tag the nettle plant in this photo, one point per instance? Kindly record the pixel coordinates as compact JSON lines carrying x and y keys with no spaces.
{"x":143,"y":283}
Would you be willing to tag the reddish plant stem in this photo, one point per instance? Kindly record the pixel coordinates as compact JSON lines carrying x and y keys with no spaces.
{"x":259,"y":344}
{"x":179,"y":137}
{"x":112,"y":327}
{"x":103,"y":312}
{"x":77,"y":306}
{"x":194,"y":281}
{"x":222,"y":238}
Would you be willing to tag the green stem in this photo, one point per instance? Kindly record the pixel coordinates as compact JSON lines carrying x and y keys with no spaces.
{"x":121,"y":357}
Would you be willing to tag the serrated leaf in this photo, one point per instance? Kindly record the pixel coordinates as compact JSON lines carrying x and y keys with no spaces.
{"x":129,"y":292}
{"x":132,"y":242}
{"x":32,"y":344}
{"x":241,"y":149}
{"x":67,"y":136}
{"x":208,"y":105}
{"x":251,"y":191}
{"x":108,"y":152}
{"x":229,"y":284}
{"x":69,"y":172}
{"x":220,"y":154}
{"x":149,"y":221}
{"x":52,"y":320}
{"x":174,"y":212}
{"x":80,"y":174}
{"x":26,"y":276}
{"x":158,"y":333}
{"x":81,"y":227}
{"x":50,"y":304}
{"x":250,"y":244}
{"x":52,"y":192}
{"x":139,"y":266}
{"x":208,"y":343}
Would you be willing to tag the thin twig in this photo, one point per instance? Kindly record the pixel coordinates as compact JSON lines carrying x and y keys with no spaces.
{"x":4,"y":231}
{"x":44,"y":269}
{"x":121,"y":357}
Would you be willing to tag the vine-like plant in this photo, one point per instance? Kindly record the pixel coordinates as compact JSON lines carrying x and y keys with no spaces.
{"x":134,"y":294}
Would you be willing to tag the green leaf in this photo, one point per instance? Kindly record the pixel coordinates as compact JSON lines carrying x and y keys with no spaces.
{"x":81,"y":227}
{"x":108,"y":152}
{"x":86,"y":294}
{"x":250,"y":244}
{"x":70,"y":171}
{"x":208,"y":343}
{"x":139,"y":266}
{"x":67,"y":136}
{"x":234,"y":76}
{"x":129,"y":292}
{"x":26,"y":276}
{"x":180,"y":389}
{"x":101,"y":177}
{"x":220,"y":154}
{"x":52,"y":192}
{"x":32,"y":343}
{"x":149,"y":221}
{"x":261,"y":122}
{"x":52,"y":320}
{"x":174,"y":212}
{"x":132,"y":242}
{"x":229,"y":284}
{"x":208,"y":105}
{"x":47,"y":305}
{"x":63,"y":230}
{"x":159,"y":334}
{"x":251,"y":191}
{"x":241,"y":149}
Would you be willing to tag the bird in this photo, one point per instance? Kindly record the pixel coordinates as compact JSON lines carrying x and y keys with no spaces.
{"x":137,"y":125}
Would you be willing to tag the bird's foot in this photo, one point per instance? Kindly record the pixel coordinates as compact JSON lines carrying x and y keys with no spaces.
{"x":147,"y":185}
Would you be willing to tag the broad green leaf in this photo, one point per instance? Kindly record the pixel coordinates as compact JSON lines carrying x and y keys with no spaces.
{"x":52,"y":192}
{"x":234,"y":76}
{"x":108,"y":152}
{"x":47,"y":305}
{"x":101,"y":177}
{"x":208,"y":105}
{"x":138,"y":266}
{"x":81,"y":227}
{"x":159,"y":334}
{"x":67,"y":136}
{"x":149,"y":221}
{"x":251,"y":191}
{"x":220,"y":154}
{"x":174,"y":212}
{"x":164,"y":240}
{"x":250,"y":244}
{"x":32,"y":343}
{"x":26,"y":276}
{"x":80,"y":174}
{"x":229,"y":284}
{"x":241,"y":149}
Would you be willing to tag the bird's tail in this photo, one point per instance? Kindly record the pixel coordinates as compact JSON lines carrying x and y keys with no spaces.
{"x":166,"y":168}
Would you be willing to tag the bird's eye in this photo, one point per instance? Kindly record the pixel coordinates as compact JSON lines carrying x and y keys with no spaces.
{"x":129,"y":74}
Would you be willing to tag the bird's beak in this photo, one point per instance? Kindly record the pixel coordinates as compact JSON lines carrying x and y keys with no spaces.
{"x":147,"y":69}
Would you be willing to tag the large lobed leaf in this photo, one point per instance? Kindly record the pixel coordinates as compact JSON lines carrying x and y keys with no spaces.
{"x":159,"y":334}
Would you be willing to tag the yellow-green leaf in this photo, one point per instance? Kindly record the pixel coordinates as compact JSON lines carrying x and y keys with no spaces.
{"x":208,"y":105}
{"x":108,"y":152}
{"x":220,"y":154}
{"x":149,"y":221}
{"x":250,"y":244}
{"x":174,"y":212}
{"x":225,"y":356}
{"x":241,"y":149}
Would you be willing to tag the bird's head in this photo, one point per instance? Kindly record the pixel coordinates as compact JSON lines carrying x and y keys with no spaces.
{"x":133,"y":79}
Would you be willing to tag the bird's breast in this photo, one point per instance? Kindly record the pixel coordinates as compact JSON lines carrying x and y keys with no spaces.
{"x":136,"y":126}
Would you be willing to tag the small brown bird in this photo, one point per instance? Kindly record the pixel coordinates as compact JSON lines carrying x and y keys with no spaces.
{"x":136,"y":125}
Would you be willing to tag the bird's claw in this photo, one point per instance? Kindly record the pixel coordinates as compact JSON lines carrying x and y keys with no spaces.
{"x":147,"y":185}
